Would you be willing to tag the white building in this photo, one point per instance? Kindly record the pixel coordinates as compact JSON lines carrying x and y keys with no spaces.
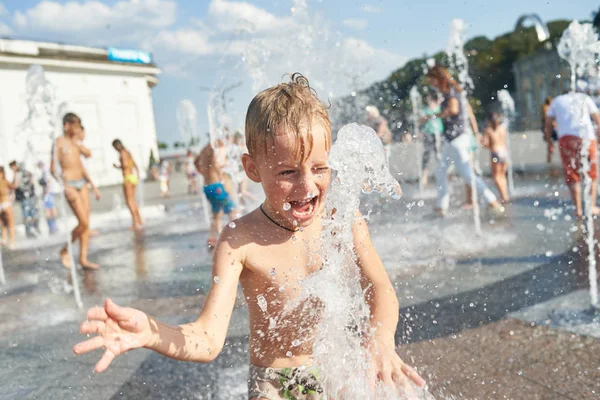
{"x":109,"y":89}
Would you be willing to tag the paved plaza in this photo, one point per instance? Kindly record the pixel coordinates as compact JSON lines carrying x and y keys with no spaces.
{"x":502,"y":316}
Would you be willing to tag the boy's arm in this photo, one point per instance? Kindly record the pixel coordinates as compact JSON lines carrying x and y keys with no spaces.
{"x":123,"y":329}
{"x":203,"y":340}
{"x":84,"y":150}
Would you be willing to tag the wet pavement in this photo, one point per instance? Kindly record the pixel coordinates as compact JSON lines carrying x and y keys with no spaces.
{"x":504,"y":315}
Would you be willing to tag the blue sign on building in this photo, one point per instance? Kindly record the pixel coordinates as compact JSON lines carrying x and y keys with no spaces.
{"x":130,"y":56}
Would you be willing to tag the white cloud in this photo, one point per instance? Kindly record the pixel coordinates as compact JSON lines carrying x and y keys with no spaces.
{"x":370,"y":9}
{"x":229,"y":14}
{"x":92,"y":16}
{"x":3,"y":10}
{"x":356,"y":23}
{"x":374,"y":63}
{"x":5,"y":29}
{"x":186,"y":41}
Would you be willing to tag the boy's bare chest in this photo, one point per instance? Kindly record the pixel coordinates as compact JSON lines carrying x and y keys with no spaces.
{"x":280,"y":269}
{"x":68,"y":152}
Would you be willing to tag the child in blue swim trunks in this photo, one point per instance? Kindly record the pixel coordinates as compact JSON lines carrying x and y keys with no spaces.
{"x":210,"y":165}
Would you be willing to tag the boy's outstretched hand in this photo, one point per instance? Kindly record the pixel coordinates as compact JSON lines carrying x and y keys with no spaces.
{"x":392,"y":371}
{"x":119,"y":329}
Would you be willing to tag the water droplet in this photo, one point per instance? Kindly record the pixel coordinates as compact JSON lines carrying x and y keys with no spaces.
{"x":536,"y":203}
{"x":217,"y":279}
{"x":420,"y":203}
{"x":549,"y":254}
{"x":289,"y":354}
{"x":272,"y":272}
{"x":295,"y":223}
{"x":505,"y":86}
{"x":232,"y":225}
{"x":262,"y":302}
{"x":286,"y":206}
{"x":296,"y":343}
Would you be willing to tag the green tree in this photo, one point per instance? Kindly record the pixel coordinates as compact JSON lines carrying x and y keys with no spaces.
{"x":596,"y":19}
{"x":163,"y":145}
{"x":152,"y":160}
{"x":490,"y":67}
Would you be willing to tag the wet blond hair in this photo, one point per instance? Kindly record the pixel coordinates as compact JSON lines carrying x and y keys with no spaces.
{"x":289,"y":108}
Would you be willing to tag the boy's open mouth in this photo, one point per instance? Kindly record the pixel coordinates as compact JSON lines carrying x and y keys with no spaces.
{"x":303,"y":209}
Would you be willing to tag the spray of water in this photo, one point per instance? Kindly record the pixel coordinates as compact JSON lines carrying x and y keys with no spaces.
{"x":44,"y":112}
{"x":458,"y":60}
{"x":416,"y":102}
{"x":508,"y":109}
{"x":578,"y":46}
{"x":358,"y":159}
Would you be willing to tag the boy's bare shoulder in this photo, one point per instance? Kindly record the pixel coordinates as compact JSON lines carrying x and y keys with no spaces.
{"x":244,"y":230}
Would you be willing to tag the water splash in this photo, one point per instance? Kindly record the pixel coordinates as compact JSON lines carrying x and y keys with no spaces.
{"x":416,"y":102}
{"x":45,"y":110}
{"x":578,"y":46}
{"x":458,"y":60}
{"x":358,"y":159}
{"x":508,"y":109}
{"x":187,"y":118}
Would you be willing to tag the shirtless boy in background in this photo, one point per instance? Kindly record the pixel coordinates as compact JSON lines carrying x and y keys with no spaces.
{"x":210,"y":166}
{"x":67,"y":152}
{"x":494,"y":137}
{"x":130,"y":181}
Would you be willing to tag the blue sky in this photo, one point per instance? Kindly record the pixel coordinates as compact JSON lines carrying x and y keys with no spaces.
{"x":216,"y":43}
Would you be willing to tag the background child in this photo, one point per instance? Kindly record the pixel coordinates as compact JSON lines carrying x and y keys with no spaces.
{"x":494,"y":137}
{"x":288,"y":153}
{"x":7,"y":217}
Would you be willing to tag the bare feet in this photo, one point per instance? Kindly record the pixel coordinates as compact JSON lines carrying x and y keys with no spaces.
{"x":64,"y":258}
{"x":86,"y":264}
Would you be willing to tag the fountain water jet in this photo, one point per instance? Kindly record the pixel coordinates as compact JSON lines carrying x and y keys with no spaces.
{"x":187,"y":117}
{"x":508,"y":109}
{"x":578,"y":46}
{"x":44,"y":111}
{"x":458,"y":60}
{"x":359,"y":165}
{"x":2,"y":276}
{"x":416,"y":102}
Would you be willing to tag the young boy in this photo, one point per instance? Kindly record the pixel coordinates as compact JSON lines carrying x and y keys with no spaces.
{"x":210,"y":165}
{"x":494,"y":137}
{"x":7,"y":217}
{"x":46,"y":182}
{"x":130,"y":181}
{"x":288,"y":137}
{"x":68,"y":151}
